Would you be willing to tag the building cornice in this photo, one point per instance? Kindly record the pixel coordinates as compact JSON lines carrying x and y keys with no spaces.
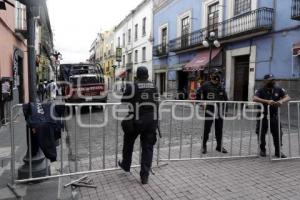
{"x":132,"y":13}
{"x":156,"y":9}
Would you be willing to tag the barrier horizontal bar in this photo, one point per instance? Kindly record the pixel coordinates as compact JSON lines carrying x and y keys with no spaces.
{"x":210,"y":158}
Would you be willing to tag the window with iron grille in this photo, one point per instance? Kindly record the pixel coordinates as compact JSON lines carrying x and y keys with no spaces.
{"x":213,"y":17}
{"x":136,"y":32}
{"x":123,"y":60}
{"x":129,"y":58}
{"x":185,"y":29}
{"x":144,"y":26}
{"x":124,"y":39}
{"x":136,"y":56}
{"x":129,"y":36}
{"x":241,"y":6}
{"x":144,"y":54}
{"x":164,"y":33}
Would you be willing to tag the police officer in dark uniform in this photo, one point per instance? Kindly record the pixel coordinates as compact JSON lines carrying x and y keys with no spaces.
{"x":213,"y":91}
{"x":142,"y":95}
{"x":273,"y":96}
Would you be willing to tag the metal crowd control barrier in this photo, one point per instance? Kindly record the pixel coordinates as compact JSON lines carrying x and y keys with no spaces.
{"x":288,"y":124}
{"x":183,"y":131}
{"x":91,"y":162}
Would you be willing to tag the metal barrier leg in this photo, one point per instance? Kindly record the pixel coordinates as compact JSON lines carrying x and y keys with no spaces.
{"x":213,"y":129}
{"x":241,"y":128}
{"x":202,"y":137}
{"x":191,"y":140}
{"x":104,"y":142}
{"x":117,"y":140}
{"x":232,"y":132}
{"x":90,"y":148}
{"x":269,"y":133}
{"x":181,"y":133}
{"x":158,"y":151}
{"x":12,"y":141}
{"x":76,"y":148}
{"x":170,"y":133}
{"x":279,"y":133}
{"x":30,"y":151}
{"x":61,"y":150}
{"x":250,"y":135}
{"x":298,"y":110}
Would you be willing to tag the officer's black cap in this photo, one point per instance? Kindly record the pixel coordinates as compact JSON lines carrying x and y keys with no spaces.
{"x":142,"y":73}
{"x":269,"y":77}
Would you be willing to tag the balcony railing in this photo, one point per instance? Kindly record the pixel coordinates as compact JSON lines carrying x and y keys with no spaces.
{"x":20,"y":23}
{"x":160,"y":50}
{"x":250,"y":22}
{"x":296,"y":9}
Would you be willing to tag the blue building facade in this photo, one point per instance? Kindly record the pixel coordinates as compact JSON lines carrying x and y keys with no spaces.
{"x":257,"y":37}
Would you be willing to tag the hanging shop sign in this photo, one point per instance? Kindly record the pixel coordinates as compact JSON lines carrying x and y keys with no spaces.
{"x":6,"y":89}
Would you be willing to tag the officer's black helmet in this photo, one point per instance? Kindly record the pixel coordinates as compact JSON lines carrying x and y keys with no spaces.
{"x":142,"y":73}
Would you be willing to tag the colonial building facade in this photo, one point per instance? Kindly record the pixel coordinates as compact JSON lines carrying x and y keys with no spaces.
{"x":134,"y":36}
{"x":256,"y":37}
{"x":13,"y":56}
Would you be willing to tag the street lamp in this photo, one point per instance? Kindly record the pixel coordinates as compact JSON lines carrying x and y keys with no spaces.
{"x":211,"y":41}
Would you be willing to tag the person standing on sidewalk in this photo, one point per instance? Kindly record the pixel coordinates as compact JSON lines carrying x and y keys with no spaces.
{"x":213,"y":91}
{"x":142,"y":98}
{"x":273,"y":96}
{"x":52,"y":90}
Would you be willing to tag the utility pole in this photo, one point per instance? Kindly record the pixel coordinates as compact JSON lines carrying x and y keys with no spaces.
{"x":38,"y":165}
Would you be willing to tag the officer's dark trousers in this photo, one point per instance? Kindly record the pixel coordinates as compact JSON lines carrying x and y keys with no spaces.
{"x":218,"y":128}
{"x":275,"y":130}
{"x":146,"y":128}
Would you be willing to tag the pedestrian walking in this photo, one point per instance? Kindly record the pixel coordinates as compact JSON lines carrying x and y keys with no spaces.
{"x":41,"y":91}
{"x":273,"y":96}
{"x":212,"y":90}
{"x":141,"y":120}
{"x":52,"y":90}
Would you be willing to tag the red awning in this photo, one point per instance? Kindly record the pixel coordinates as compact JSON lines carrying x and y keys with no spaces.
{"x":122,"y":74}
{"x":200,"y":60}
{"x":296,"y":49}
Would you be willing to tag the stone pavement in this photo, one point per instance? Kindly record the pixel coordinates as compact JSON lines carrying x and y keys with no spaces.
{"x":211,"y":179}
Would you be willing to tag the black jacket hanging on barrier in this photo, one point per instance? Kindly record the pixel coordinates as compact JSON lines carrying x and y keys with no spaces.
{"x":45,"y":131}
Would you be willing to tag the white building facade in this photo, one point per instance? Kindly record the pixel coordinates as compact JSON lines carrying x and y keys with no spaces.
{"x":134,"y":36}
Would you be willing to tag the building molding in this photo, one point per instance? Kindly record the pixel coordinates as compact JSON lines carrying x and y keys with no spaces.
{"x":206,"y":4}
{"x":161,"y":27}
{"x":230,"y":7}
{"x":187,"y":13}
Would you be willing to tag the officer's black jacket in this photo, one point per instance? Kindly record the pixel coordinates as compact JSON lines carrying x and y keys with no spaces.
{"x":275,"y":94}
{"x":212,"y":92}
{"x":143,"y":96}
{"x":38,"y":116}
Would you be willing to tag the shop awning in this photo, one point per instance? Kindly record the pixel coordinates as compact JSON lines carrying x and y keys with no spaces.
{"x":296,"y":49}
{"x":201,"y":60}
{"x":122,"y":74}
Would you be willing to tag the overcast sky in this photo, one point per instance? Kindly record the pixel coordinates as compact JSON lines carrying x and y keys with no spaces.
{"x":75,"y":23}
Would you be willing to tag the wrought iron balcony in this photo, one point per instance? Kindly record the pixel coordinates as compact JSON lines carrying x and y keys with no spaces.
{"x":258,"y":21}
{"x":296,"y":9}
{"x":160,"y":50}
{"x":20,"y":23}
